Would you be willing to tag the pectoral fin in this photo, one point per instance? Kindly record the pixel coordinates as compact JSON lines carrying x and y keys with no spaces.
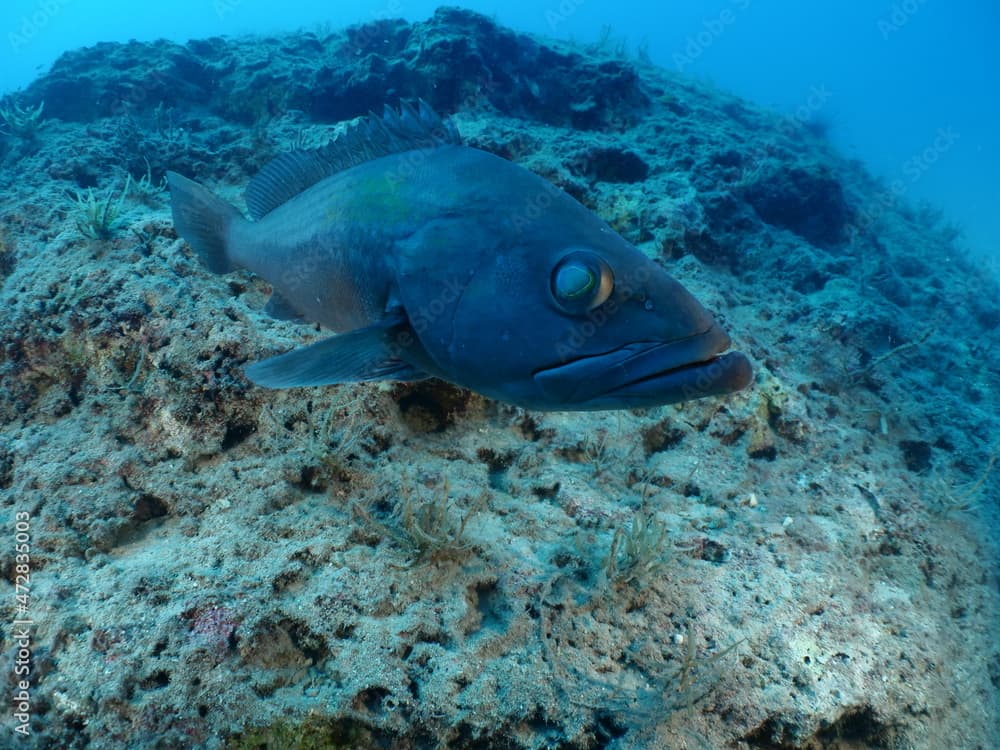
{"x":356,"y":356}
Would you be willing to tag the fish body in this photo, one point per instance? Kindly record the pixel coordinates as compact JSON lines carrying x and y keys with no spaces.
{"x":431,"y":258}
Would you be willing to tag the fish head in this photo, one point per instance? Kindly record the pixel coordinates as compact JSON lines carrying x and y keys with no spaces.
{"x":565,"y":314}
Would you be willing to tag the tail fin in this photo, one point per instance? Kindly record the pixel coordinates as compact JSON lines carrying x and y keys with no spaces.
{"x":203,"y":220}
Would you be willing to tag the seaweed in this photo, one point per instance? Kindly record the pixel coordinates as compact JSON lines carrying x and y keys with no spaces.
{"x":147,"y":191}
{"x":860,"y":374}
{"x":637,"y":552}
{"x":97,"y":218}
{"x":967,"y":501}
{"x":22,"y":122}
{"x":431,"y":528}
{"x":669,"y":683}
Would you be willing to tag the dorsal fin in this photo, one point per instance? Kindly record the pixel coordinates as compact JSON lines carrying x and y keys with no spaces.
{"x":369,"y":138}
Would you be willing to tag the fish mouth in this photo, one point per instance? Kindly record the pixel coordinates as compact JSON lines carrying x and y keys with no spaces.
{"x":649,"y":373}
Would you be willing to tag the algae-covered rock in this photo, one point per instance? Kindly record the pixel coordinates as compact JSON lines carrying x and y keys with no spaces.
{"x":811,"y":563}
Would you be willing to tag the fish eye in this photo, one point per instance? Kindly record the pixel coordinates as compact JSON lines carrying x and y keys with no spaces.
{"x":581,"y":281}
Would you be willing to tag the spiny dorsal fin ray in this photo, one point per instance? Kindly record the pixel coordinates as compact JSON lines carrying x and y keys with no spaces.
{"x":369,"y":138}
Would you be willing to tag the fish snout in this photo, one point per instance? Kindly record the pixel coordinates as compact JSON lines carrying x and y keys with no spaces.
{"x":649,"y":373}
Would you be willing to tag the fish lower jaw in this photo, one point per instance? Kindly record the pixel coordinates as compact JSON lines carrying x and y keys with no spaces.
{"x":644,"y":374}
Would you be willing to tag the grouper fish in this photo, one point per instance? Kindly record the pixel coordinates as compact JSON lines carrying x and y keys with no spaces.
{"x":432,"y":258}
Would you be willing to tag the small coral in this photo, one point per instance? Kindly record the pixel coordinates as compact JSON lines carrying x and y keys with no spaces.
{"x":147,"y":191}
{"x":24,"y":123}
{"x":98,"y":219}
{"x":638,"y":551}
{"x":432,"y":528}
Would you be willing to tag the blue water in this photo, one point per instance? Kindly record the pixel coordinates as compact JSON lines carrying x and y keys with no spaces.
{"x":909,"y":87}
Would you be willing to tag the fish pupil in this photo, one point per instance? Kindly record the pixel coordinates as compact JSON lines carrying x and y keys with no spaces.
{"x":574,"y":280}
{"x":581,"y":281}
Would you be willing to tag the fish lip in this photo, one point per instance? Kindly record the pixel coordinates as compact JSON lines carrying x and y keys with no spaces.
{"x":716,"y":376}
{"x":647,"y":373}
